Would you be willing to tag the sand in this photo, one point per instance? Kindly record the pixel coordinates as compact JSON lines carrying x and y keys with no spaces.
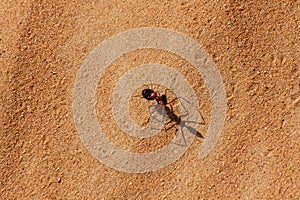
{"x":255,"y":47}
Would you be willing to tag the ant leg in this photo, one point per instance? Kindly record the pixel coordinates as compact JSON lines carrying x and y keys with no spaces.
{"x":182,"y":134}
{"x":151,"y":86}
{"x":144,"y":85}
{"x":167,"y":89}
{"x":147,"y":86}
{"x":137,"y":96}
{"x":150,"y":113}
{"x":173,"y":125}
{"x":167,"y":95}
{"x":165,"y":125}
{"x":195,"y":122}
{"x":185,"y":110}
{"x":158,"y":93}
{"x":202,"y":118}
{"x":140,"y":95}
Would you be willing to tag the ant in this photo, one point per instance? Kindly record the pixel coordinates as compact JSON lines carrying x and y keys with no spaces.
{"x":161,"y":100}
{"x":150,"y":95}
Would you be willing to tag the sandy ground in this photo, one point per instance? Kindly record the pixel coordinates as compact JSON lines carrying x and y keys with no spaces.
{"x":255,"y":45}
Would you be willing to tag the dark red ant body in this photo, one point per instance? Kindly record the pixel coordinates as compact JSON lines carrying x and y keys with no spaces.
{"x":151,"y":95}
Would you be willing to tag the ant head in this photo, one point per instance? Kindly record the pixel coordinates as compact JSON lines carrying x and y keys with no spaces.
{"x":149,"y":94}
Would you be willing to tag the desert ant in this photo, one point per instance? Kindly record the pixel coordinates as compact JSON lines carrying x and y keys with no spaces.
{"x":150,"y":95}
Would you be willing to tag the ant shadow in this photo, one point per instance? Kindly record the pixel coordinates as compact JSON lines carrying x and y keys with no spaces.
{"x":168,"y":112}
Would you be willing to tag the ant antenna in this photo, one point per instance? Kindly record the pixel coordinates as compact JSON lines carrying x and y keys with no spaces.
{"x":140,"y":95}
